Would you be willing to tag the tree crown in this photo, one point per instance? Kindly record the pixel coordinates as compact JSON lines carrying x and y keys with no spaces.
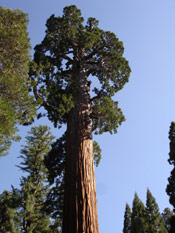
{"x":70,"y":49}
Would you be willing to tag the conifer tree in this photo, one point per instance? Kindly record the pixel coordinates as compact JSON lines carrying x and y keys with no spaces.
{"x":26,"y":209}
{"x":9,"y":221}
{"x":34,"y":189}
{"x":169,"y":219}
{"x":127,"y":220}
{"x":138,"y":218}
{"x":69,"y":55}
{"x":16,"y":105}
{"x":155,"y":222}
{"x":171,"y":180}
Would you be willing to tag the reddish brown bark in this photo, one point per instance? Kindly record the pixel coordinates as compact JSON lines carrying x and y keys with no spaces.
{"x":80,"y":206}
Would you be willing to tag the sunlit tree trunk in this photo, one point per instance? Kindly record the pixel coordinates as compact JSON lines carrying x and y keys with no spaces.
{"x":80,"y":206}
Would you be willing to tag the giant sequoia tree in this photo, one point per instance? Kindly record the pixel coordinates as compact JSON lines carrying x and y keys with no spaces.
{"x":65,"y":65}
{"x":16,"y":106}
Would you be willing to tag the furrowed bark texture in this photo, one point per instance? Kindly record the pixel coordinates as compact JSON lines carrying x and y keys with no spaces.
{"x":80,"y":206}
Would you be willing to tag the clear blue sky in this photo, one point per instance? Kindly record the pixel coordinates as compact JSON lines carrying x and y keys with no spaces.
{"x":136,"y":157}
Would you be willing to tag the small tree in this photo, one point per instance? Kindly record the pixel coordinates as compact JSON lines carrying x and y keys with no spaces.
{"x":34,"y":188}
{"x":16,"y":106}
{"x":154,"y":220}
{"x":127,"y":220}
{"x":65,"y":63}
{"x":138,"y":218}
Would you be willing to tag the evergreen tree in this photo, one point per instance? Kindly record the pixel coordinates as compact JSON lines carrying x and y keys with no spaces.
{"x":138,"y":218}
{"x":127,"y":220}
{"x":169,"y":219}
{"x":16,"y":106}
{"x":34,"y":190}
{"x":171,"y":180}
{"x":155,"y":221}
{"x":69,"y":55}
{"x":9,"y":221}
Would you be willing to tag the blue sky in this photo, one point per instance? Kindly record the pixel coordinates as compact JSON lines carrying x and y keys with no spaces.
{"x":136,"y":157}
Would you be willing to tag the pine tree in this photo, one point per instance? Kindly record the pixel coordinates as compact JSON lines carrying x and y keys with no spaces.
{"x":154,"y":220}
{"x":34,"y":189}
{"x":16,"y":105}
{"x":69,"y":55}
{"x":127,"y":220}
{"x":138,"y":218}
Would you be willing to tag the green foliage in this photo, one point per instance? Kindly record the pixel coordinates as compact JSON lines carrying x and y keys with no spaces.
{"x":171,"y":180}
{"x":154,"y":219}
{"x":169,"y":219}
{"x":97,"y":153}
{"x":16,"y":106}
{"x":127,"y":220}
{"x":138,"y":218}
{"x":25,"y":210}
{"x":106,"y":116}
{"x":145,"y":219}
{"x":69,"y":54}
{"x":34,"y":188}
{"x":8,"y":212}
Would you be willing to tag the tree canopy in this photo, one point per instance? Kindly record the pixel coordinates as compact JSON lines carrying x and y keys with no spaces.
{"x":16,"y":105}
{"x":68,"y":47}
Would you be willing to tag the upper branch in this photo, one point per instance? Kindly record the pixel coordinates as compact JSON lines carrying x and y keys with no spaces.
{"x":39,"y":97}
{"x":95,"y":50}
{"x":68,"y":58}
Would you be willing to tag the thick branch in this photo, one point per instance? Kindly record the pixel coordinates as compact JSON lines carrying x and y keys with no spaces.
{"x":89,"y":56}
{"x":66,"y":72}
{"x":68,"y":58}
{"x":39,"y":97}
{"x":97,"y":96}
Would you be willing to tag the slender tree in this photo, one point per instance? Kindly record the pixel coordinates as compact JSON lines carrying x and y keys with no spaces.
{"x":16,"y":105}
{"x":65,"y":63}
{"x":127,"y":220}
{"x":138,"y":218}
{"x":154,"y":219}
{"x":170,"y":189}
{"x":34,"y":189}
{"x":171,"y":180}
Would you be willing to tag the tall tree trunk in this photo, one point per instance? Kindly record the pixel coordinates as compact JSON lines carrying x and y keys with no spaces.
{"x":80,"y":206}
